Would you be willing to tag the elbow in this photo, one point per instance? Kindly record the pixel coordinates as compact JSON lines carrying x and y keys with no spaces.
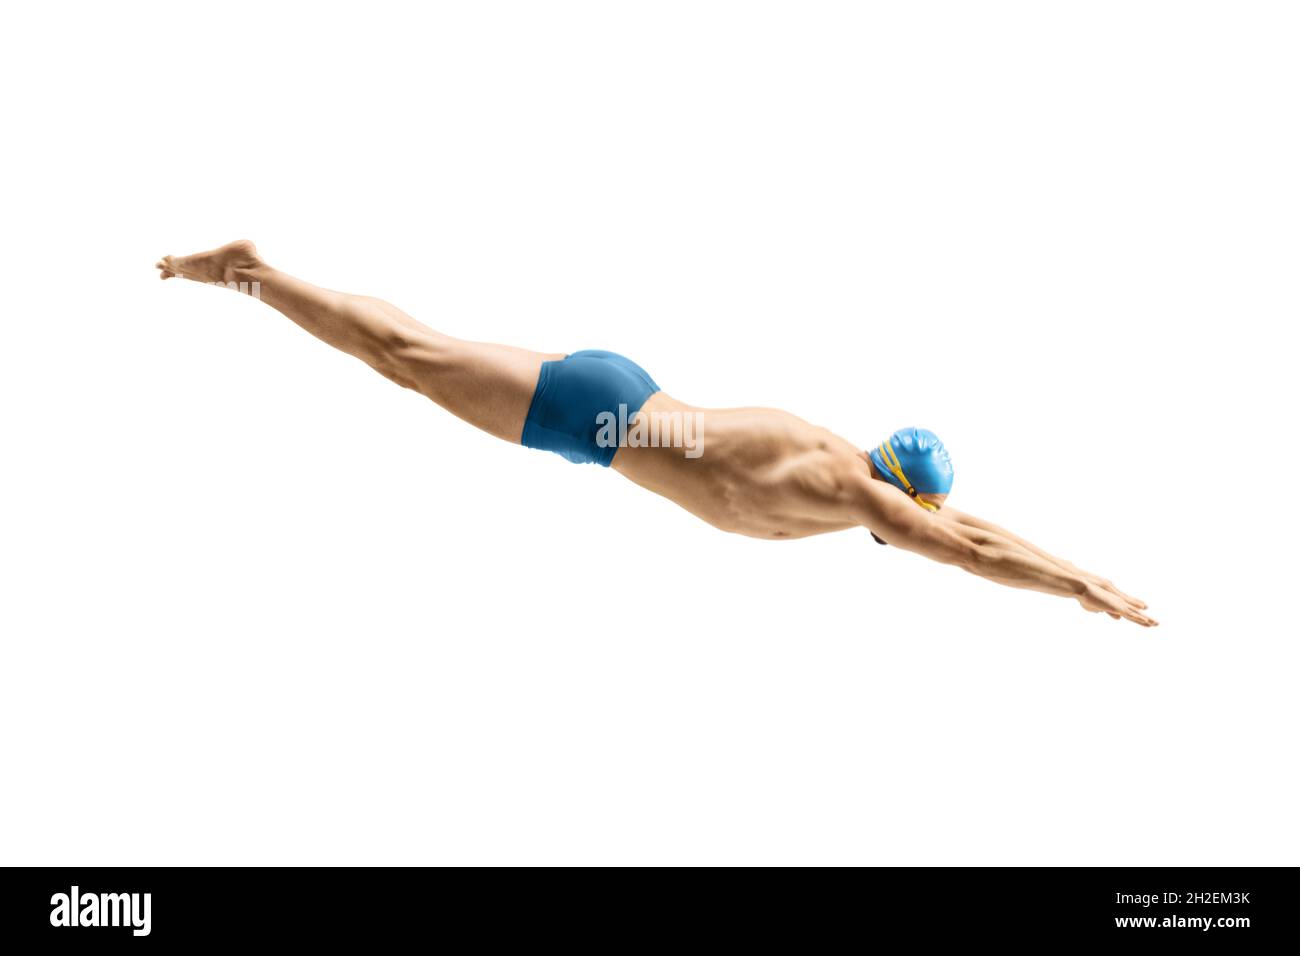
{"x":973,"y":551}
{"x":977,"y":549}
{"x":971,"y":556}
{"x":970,"y":552}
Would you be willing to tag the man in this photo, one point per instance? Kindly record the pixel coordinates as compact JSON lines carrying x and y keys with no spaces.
{"x":754,"y":471}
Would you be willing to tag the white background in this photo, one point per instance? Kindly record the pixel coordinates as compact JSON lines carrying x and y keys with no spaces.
{"x":261,"y":606}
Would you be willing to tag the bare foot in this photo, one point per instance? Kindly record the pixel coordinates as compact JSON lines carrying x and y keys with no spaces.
{"x":226,"y":264}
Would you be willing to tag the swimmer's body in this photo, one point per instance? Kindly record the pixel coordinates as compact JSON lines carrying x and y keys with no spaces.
{"x":762,"y":472}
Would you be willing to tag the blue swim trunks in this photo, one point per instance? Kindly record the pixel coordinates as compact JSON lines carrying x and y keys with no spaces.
{"x":571,"y":396}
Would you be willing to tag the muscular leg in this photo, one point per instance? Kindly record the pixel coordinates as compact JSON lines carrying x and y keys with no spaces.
{"x":489,"y":386}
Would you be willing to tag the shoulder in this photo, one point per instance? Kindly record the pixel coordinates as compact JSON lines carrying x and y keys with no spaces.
{"x":829,"y":472}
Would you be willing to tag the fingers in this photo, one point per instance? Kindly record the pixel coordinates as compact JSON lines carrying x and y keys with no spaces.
{"x":1136,"y":602}
{"x":1132,"y":603}
{"x":1117,"y":605}
{"x":1133,"y":613}
{"x":1138,"y":618}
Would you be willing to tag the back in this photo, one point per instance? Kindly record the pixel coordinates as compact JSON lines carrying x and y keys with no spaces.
{"x":762,"y":472}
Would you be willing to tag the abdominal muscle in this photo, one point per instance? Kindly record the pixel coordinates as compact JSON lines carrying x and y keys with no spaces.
{"x":760,"y":471}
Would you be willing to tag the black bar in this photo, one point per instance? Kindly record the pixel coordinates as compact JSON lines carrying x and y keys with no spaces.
{"x":1223,"y":908}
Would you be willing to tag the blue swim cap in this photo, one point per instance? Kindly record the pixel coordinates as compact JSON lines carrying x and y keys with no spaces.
{"x":923,"y":458}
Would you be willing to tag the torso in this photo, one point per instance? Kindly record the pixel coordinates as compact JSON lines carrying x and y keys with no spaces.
{"x":762,"y":472}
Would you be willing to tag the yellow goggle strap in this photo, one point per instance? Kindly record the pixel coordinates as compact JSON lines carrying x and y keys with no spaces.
{"x":893,"y":464}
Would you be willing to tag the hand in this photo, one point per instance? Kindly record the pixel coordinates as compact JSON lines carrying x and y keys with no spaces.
{"x":1101,"y":595}
{"x":1105,"y":585}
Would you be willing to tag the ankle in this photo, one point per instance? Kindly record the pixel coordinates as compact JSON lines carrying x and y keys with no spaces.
{"x":252,"y":271}
{"x":248,"y":277}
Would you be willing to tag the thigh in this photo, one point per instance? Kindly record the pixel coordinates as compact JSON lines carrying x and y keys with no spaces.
{"x":490,"y":386}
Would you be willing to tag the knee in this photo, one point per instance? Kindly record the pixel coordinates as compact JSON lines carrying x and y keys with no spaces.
{"x":396,"y":357}
{"x":395,"y":345}
{"x":411,"y":358}
{"x":397,"y":374}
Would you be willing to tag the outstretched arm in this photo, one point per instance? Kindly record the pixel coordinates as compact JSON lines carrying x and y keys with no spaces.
{"x":985,"y":550}
{"x":973,"y":522}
